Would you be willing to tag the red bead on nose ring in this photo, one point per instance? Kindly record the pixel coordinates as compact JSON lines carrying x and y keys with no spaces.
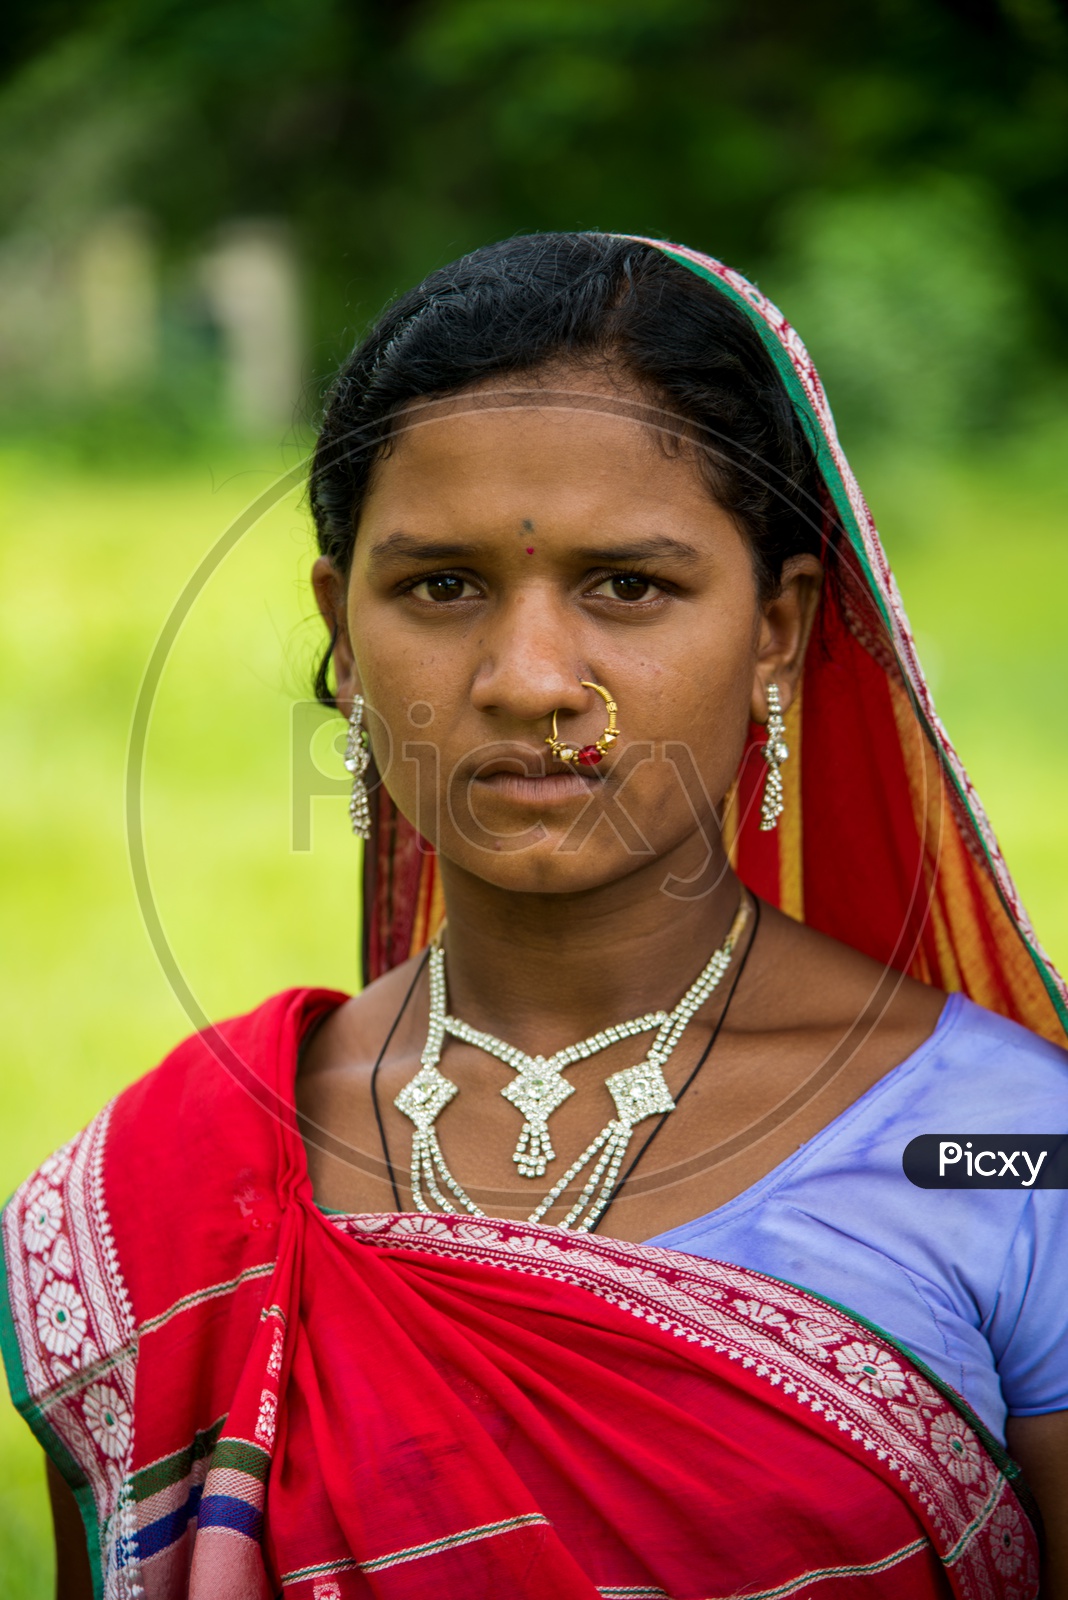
{"x":587,"y":755}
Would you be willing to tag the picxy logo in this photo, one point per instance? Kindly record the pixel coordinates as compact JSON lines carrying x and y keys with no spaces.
{"x":987,"y":1161}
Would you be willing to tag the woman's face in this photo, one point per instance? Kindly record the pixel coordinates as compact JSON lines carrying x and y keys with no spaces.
{"x":514,"y":543}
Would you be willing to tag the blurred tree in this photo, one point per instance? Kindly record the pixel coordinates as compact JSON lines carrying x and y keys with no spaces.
{"x":910,"y":306}
{"x":391,"y":136}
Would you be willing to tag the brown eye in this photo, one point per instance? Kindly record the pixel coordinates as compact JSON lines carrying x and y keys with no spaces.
{"x":630,"y":586}
{"x":443,"y":586}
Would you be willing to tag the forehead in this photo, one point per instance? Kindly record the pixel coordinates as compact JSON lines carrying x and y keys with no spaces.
{"x":551,"y":452}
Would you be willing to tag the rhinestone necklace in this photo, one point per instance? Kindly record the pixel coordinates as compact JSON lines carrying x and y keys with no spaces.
{"x":538,"y":1090}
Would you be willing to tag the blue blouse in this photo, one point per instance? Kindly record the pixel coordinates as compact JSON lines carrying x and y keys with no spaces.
{"x":973,"y":1281}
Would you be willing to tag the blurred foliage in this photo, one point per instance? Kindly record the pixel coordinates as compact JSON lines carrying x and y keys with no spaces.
{"x":914,"y":343}
{"x":902,"y":161}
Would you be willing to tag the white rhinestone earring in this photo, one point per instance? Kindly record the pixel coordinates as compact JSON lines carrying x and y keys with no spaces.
{"x":775,"y":753}
{"x":357,"y":756}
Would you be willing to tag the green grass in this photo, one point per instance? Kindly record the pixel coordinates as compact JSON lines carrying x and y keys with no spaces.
{"x":90,"y":567}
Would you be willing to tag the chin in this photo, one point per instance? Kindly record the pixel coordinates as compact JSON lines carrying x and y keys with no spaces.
{"x":544,"y":867}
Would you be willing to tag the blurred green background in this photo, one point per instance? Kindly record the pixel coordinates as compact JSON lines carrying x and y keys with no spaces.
{"x":205,"y":201}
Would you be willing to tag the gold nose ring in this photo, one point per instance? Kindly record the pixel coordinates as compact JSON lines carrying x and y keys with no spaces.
{"x":587,"y":755}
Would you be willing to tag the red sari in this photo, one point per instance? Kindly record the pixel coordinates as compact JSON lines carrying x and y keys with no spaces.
{"x":251,"y":1398}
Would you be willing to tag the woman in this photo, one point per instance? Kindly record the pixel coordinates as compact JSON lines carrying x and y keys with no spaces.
{"x":403,"y":1295}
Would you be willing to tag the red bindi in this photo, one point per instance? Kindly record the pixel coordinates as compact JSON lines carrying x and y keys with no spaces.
{"x":530,"y":549}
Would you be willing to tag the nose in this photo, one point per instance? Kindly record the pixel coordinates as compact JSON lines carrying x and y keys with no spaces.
{"x":532,"y":663}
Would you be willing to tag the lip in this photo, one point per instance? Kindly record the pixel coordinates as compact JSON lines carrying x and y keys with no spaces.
{"x":530,"y":776}
{"x":553,"y":789}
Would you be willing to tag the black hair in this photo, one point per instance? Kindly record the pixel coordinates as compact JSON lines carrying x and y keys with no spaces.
{"x":551,"y":298}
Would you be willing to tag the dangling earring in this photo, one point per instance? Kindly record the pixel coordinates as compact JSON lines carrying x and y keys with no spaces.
{"x":775,"y":753}
{"x":357,"y":756}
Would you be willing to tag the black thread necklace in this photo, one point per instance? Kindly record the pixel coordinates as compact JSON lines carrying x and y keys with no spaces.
{"x":375,"y":1069}
{"x":702,"y":1058}
{"x":706,"y":1052}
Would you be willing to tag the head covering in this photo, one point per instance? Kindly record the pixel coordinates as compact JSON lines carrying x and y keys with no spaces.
{"x":883,"y":843}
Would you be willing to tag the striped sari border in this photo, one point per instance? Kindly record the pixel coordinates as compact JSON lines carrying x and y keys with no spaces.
{"x":169,"y":1470}
{"x":98,"y":1369}
{"x":187,"y":1301}
{"x":819,"y":1574}
{"x":452,"y":1541}
{"x":321,"y":1569}
{"x":629,"y":1592}
{"x":611,"y":1592}
{"x":416,"y":1552}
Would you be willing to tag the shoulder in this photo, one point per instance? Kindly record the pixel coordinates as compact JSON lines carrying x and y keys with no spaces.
{"x":821,"y":983}
{"x":233,"y":1066}
{"x":824,"y":1001}
{"x":134,"y":1257}
{"x":187,"y":1154}
{"x":348,"y":1037}
{"x":898,"y":1053}
{"x":989,"y":1072}
{"x":814,"y":982}
{"x":207,"y":1135}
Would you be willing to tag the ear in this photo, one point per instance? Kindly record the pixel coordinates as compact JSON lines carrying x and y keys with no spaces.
{"x":331,"y":595}
{"x":783,"y":634}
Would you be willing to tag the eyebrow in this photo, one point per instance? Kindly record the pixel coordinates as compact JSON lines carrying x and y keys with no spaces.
{"x":406,"y":547}
{"x":656,"y":546}
{"x":401,"y":546}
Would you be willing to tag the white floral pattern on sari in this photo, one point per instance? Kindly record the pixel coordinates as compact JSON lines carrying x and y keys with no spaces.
{"x":73,"y":1322}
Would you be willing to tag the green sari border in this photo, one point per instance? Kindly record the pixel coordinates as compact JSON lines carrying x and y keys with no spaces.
{"x":47,"y":1438}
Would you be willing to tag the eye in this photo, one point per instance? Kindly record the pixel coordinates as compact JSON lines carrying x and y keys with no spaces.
{"x":626,"y":586}
{"x":443,"y":586}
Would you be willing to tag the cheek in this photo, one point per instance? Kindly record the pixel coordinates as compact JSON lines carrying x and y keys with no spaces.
{"x":414,"y":689}
{"x":707,"y":671}
{"x":393,"y":668}
{"x":700,"y":699}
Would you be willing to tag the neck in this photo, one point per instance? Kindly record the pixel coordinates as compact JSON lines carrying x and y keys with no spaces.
{"x":542,"y":970}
